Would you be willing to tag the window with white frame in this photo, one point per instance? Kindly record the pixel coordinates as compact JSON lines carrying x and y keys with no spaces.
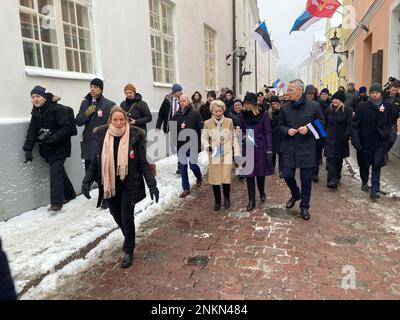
{"x":162,"y":41}
{"x":56,"y":34}
{"x":209,"y":53}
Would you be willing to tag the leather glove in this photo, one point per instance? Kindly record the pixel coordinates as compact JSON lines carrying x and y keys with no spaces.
{"x":357,"y":146}
{"x":270,"y":158}
{"x":28,"y":156}
{"x":154,"y":193}
{"x":90,"y":111}
{"x":86,"y":191}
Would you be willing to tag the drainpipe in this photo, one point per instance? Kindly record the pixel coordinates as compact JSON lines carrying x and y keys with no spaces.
{"x":234,"y":62}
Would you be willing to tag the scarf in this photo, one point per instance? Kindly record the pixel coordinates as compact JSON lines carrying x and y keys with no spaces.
{"x":376,"y":104}
{"x":108,"y":173}
{"x":218,"y":123}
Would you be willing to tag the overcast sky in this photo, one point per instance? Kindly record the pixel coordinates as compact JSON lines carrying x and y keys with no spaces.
{"x":280,"y":16}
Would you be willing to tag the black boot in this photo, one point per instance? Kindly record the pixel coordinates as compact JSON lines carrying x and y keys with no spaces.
{"x":251,"y":189}
{"x":263,"y":198}
{"x":292,"y":202}
{"x":227,"y":193}
{"x":128,"y":261}
{"x":365,"y":188}
{"x":227,"y":203}
{"x":217,"y":197}
{"x":251,"y":206}
{"x":305,"y":214}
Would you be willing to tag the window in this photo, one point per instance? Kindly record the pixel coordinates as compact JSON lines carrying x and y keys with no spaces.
{"x":162,"y":41}
{"x":209,"y":53}
{"x":56,"y":34}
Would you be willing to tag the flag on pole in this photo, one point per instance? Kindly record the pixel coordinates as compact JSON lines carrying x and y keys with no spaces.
{"x":322,"y":8}
{"x":315,"y":11}
{"x":317,"y":129}
{"x":261,"y":35}
{"x":278,"y":84}
{"x":339,"y":65}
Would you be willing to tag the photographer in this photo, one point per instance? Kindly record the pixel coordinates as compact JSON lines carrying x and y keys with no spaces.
{"x":52,"y":127}
{"x":392,"y":98}
{"x":138,"y":111}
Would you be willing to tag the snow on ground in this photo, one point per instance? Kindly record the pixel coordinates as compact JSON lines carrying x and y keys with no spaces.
{"x":38,"y":242}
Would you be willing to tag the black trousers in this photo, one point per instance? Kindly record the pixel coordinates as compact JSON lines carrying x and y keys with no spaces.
{"x":335,"y":166}
{"x":278,"y":157}
{"x":61,"y":188}
{"x":124,"y":215}
{"x":251,"y":187}
{"x":319,"y":148}
{"x":306,"y":176}
{"x":87,"y":165}
{"x":217,"y":192}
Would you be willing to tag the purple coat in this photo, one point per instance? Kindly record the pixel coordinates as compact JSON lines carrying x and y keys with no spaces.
{"x":263,"y":139}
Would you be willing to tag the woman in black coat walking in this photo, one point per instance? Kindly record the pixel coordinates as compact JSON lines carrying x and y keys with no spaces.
{"x":338,"y":122}
{"x":121,"y":164}
{"x":274,"y":113}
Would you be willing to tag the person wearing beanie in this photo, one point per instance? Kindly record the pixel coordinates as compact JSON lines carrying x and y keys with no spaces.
{"x":299,"y":144}
{"x":371,"y":138}
{"x":205,"y":109}
{"x":256,"y":129}
{"x":94,"y":112}
{"x":52,"y":126}
{"x":274,"y":114}
{"x":362,"y":97}
{"x":137,"y":109}
{"x":338,"y":122}
{"x":169,"y":107}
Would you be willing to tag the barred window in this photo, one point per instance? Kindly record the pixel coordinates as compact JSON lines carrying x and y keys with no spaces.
{"x":162,"y":41}
{"x":56,"y":34}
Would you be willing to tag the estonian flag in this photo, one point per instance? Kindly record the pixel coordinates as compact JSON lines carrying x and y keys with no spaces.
{"x":261,"y":35}
{"x":304,"y":21}
{"x":317,"y":129}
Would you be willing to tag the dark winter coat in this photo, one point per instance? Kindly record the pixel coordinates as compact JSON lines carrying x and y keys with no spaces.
{"x":188,"y":118}
{"x":263,"y":138}
{"x":205,"y":111}
{"x":299,"y":151}
{"x":324,"y":104}
{"x":138,"y":167}
{"x":52,"y":116}
{"x":350,"y":97}
{"x":91,"y":123}
{"x":235,"y":118}
{"x":277,"y":136}
{"x":359,"y":100}
{"x":138,"y":110}
{"x":7,"y":289}
{"x":394,"y":103}
{"x":229,"y":106}
{"x":338,"y":128}
{"x":371,"y":129}
{"x":165,"y":114}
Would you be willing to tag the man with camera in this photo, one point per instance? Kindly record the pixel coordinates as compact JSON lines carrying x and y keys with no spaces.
{"x":138,"y":111}
{"x":52,"y":127}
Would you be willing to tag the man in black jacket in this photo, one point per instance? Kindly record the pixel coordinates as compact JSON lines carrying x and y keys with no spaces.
{"x":169,"y":107}
{"x":392,"y":99}
{"x":52,"y":128}
{"x":299,"y":144}
{"x":205,"y":109}
{"x":94,"y":112}
{"x":362,"y":97}
{"x":371,"y":138}
{"x":138,"y":111}
{"x":7,"y":289}
{"x":189,"y":124}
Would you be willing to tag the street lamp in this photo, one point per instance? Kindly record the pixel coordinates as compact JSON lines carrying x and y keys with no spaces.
{"x":335,"y":42}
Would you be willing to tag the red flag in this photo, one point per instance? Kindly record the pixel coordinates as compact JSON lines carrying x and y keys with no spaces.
{"x":322,"y":8}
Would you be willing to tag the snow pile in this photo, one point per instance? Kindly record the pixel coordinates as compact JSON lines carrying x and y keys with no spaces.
{"x":38,"y":242}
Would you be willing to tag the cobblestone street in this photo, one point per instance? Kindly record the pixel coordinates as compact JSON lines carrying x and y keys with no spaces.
{"x":190,"y":252}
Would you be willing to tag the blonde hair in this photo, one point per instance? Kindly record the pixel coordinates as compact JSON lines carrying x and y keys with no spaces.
{"x":255,"y":108}
{"x":116,"y":109}
{"x":271,"y":110}
{"x":341,"y":108}
{"x":217,"y":103}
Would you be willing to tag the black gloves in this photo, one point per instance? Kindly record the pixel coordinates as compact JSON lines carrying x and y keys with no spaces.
{"x":270,"y":158}
{"x":28,"y":156}
{"x":49,"y":140}
{"x":154,"y":193}
{"x":86,"y":191}
{"x":357,"y":146}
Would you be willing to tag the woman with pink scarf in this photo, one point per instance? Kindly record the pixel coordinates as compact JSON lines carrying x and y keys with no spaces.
{"x":120,"y":167}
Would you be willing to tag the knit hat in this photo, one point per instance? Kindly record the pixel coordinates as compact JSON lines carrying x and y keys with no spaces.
{"x":130,"y":87}
{"x":250,"y":98}
{"x":275,"y":99}
{"x":340,"y":95}
{"x":325,"y":90}
{"x":39,"y":91}
{"x":376,"y":87}
{"x":176,"y":88}
{"x":98,"y":83}
{"x":363,"y":89}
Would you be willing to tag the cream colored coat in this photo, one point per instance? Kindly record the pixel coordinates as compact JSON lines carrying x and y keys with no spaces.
{"x":220,"y":168}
